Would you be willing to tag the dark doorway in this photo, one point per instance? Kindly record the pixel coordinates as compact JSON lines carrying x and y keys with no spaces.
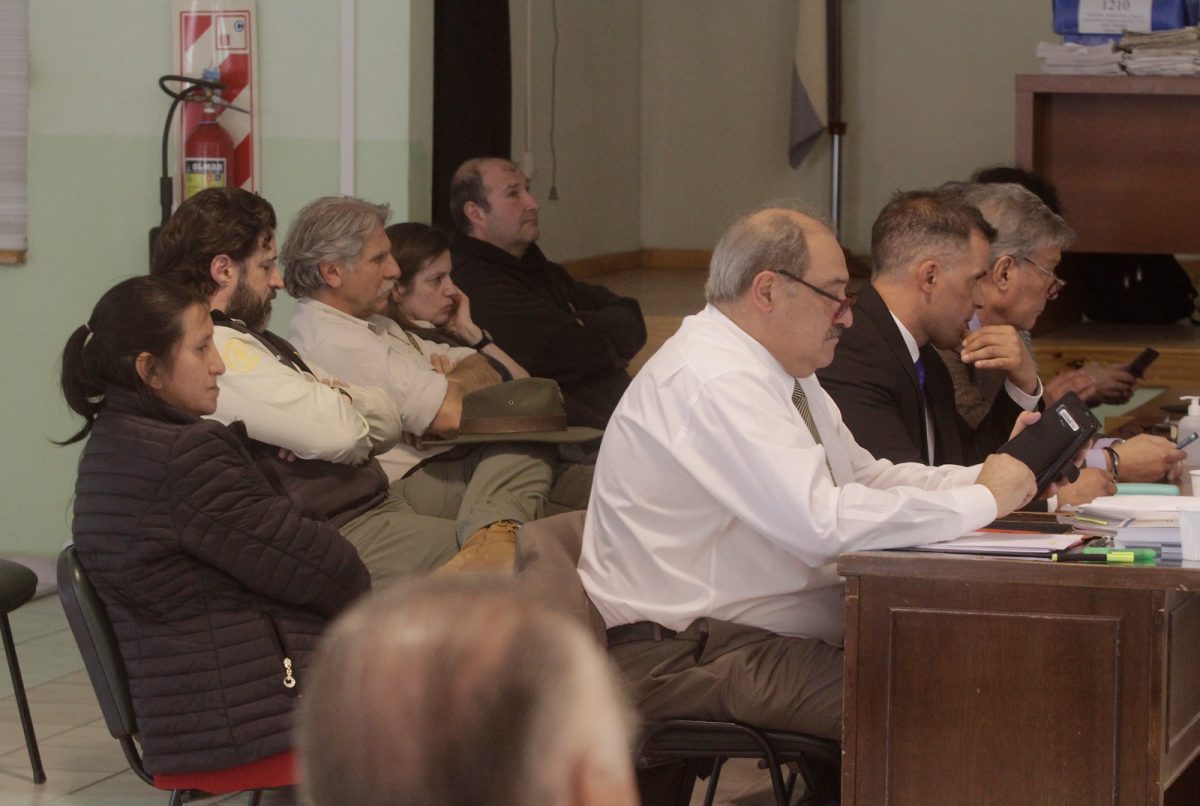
{"x":472,"y":90}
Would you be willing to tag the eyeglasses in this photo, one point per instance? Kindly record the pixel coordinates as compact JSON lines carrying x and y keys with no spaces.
{"x":1057,"y":284}
{"x":844,"y":303}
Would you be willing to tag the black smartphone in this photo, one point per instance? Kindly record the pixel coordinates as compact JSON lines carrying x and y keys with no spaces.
{"x":1137,"y":367}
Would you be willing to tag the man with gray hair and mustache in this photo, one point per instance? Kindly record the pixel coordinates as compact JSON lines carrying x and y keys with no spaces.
{"x":1020,"y":280}
{"x":727,"y":485}
{"x":338,"y":265}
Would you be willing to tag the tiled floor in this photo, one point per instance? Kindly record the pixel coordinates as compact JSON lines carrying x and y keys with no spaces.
{"x":85,"y":766}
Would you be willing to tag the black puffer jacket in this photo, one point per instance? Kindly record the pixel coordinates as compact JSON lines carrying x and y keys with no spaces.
{"x":210,"y":576}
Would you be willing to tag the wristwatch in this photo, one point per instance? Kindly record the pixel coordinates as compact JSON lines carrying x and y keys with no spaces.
{"x":484,"y":340}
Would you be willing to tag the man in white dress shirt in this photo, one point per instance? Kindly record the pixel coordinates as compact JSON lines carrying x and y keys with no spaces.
{"x":339,"y":266}
{"x":717,"y":513}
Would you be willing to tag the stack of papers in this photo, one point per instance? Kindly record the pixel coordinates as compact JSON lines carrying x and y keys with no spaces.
{"x":1171,"y":38}
{"x":1009,"y":544}
{"x":1071,"y":58}
{"x":1134,"y":521}
{"x":1163,"y":53}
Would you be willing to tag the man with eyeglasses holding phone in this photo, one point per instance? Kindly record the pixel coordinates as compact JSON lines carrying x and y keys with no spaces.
{"x":1100,"y":382}
{"x":1021,"y":280}
{"x":727,"y":485}
{"x":931,"y":250}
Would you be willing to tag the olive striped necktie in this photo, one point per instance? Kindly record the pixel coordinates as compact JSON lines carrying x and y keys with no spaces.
{"x":800,"y":400}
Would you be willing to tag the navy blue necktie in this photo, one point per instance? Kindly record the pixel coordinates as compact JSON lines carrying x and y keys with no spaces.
{"x":920,"y":367}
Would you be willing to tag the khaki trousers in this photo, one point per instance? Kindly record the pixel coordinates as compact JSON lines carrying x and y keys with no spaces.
{"x":718,"y":670}
{"x":429,"y":513}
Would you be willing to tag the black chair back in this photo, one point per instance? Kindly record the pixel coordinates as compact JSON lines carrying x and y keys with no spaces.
{"x":98,"y":645}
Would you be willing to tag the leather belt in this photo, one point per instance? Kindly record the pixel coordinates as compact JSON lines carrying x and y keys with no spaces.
{"x":638,"y":631}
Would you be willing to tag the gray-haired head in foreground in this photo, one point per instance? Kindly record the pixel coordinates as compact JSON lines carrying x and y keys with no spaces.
{"x":1024,"y":224}
{"x":919,"y":224}
{"x":452,"y":693}
{"x":773,"y":238}
{"x":333,"y":229}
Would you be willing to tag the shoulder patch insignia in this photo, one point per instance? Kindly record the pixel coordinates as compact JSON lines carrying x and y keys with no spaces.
{"x":238,"y":357}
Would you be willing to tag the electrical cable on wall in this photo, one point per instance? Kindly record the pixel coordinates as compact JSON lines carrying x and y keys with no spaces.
{"x":527,"y":153}
{"x":527,"y":156}
{"x":553,"y":194}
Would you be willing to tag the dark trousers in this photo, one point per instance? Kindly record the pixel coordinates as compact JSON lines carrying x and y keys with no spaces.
{"x":722,"y":671}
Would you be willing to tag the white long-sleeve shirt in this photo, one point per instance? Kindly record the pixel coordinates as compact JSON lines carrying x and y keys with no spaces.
{"x":377,"y":352}
{"x":711,"y":497}
{"x":291,"y":409}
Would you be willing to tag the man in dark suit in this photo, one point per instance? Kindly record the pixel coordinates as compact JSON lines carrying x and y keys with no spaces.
{"x":930,"y":250}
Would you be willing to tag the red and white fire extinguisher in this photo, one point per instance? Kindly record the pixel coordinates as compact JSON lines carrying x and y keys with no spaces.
{"x":208,"y":150}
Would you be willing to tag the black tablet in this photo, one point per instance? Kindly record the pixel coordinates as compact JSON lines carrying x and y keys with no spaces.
{"x":1049,"y":445}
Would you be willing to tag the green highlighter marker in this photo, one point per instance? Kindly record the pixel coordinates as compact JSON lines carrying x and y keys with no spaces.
{"x":1123,"y":557}
{"x":1140,"y":555}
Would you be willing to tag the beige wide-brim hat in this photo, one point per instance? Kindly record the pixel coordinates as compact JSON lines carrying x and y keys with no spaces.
{"x":524,"y":410}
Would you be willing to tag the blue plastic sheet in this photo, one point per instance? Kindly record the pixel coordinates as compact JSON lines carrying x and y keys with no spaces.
{"x":1164,"y":14}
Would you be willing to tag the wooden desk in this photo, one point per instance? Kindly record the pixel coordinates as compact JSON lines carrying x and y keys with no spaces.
{"x":976,"y":680}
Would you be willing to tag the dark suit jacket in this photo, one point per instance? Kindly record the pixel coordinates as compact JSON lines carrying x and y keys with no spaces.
{"x":874,"y":383}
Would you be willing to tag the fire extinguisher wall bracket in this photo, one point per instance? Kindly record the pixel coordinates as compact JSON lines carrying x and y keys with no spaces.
{"x":192,"y":87}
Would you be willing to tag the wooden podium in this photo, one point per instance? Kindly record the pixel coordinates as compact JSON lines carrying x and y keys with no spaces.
{"x":1124,"y":153}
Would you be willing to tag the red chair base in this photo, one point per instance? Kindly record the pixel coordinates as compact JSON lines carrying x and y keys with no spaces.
{"x":266,"y":773}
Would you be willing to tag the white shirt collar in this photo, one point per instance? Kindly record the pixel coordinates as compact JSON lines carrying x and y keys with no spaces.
{"x":764,"y":355}
{"x":909,"y":342}
{"x":328,"y":310}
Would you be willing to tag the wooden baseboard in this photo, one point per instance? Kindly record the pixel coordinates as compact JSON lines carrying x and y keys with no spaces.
{"x":638,"y":259}
{"x":676,"y":258}
{"x":604,"y":264}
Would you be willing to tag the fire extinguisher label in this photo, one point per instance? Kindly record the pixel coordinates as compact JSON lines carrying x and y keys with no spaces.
{"x":199,"y":174}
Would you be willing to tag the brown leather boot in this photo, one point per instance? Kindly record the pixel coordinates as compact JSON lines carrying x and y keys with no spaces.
{"x":492,"y":550}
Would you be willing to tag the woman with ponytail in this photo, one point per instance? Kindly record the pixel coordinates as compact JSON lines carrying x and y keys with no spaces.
{"x":217,"y":586}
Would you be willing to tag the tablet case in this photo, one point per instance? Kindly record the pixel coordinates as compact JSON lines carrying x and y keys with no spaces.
{"x":1049,"y":445}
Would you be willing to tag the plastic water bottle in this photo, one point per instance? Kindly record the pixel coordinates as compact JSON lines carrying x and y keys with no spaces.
{"x":1188,"y":426}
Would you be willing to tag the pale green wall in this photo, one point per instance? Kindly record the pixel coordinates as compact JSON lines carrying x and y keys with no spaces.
{"x":95,"y":118}
{"x":597,"y":123}
{"x":672,"y":120}
{"x":673,"y":114}
{"x":714,"y":133}
{"x":929,"y":97}
{"x":930,"y":94}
